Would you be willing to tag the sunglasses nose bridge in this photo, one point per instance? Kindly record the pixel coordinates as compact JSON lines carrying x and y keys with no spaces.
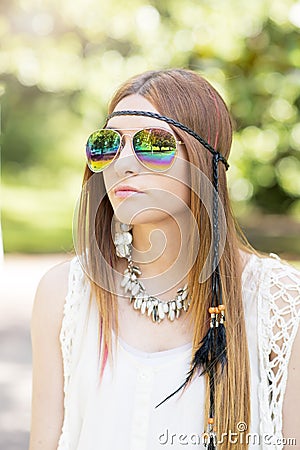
{"x":124,"y":142}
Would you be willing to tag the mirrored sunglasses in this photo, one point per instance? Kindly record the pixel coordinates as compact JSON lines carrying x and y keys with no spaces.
{"x":155,"y":148}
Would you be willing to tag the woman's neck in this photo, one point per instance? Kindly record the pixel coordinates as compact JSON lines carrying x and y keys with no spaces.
{"x":162,"y":252}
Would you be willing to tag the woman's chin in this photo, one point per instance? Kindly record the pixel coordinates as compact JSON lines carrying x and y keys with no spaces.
{"x":133,"y":217}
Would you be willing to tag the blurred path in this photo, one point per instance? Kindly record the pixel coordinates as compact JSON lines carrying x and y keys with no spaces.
{"x":19,"y":277}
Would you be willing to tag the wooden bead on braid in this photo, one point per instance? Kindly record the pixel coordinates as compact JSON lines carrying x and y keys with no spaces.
{"x":217,"y":315}
{"x":222,"y":311}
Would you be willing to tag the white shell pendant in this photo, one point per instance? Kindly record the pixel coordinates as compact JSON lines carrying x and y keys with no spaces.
{"x":135,"y":289}
{"x":171,"y":315}
{"x":143,"y":307}
{"x":150,"y":307}
{"x":161,"y":312}
{"x":123,"y":238}
{"x":125,"y":280}
{"x":122,"y":250}
{"x":128,"y":286}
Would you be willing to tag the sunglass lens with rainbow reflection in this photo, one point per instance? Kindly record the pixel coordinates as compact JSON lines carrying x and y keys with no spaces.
{"x":101,"y":148}
{"x":155,"y":148}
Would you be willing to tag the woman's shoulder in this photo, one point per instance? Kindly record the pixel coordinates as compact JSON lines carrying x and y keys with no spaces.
{"x":274,"y":282}
{"x":53,"y":287}
{"x":56,"y":277}
{"x":282,"y":273}
{"x":56,"y":285}
{"x":276,"y":285}
{"x":48,"y":307}
{"x":270,"y":268}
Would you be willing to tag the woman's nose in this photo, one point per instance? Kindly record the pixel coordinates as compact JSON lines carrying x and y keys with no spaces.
{"x":126,"y":161}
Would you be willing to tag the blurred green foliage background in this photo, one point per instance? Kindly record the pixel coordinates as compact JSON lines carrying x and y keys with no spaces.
{"x":61,"y":61}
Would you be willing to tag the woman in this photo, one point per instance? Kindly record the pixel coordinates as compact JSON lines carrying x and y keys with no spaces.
{"x":166,"y":324}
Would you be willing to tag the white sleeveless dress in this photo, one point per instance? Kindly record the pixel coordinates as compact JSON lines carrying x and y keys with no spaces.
{"x":120,"y":413}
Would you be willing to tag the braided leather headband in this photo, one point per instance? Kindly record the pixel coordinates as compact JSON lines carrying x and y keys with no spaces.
{"x":212,"y":349}
{"x":176,"y":124}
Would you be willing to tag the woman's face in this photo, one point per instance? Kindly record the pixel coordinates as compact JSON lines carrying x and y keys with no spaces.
{"x":160,"y":195}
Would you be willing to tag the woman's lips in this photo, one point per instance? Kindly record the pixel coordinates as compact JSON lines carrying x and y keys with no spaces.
{"x":125,"y":191}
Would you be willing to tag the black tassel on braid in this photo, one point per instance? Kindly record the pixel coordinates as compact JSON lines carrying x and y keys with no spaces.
{"x":221,"y":345}
{"x":212,"y":443}
{"x":203,"y":356}
{"x":211,"y":353}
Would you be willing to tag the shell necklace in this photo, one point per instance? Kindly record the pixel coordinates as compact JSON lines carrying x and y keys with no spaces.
{"x":149,"y":305}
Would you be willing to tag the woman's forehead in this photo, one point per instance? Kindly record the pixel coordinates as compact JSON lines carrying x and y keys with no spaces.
{"x":135,"y":102}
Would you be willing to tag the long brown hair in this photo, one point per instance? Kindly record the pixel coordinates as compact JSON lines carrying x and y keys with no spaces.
{"x":188,"y":98}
